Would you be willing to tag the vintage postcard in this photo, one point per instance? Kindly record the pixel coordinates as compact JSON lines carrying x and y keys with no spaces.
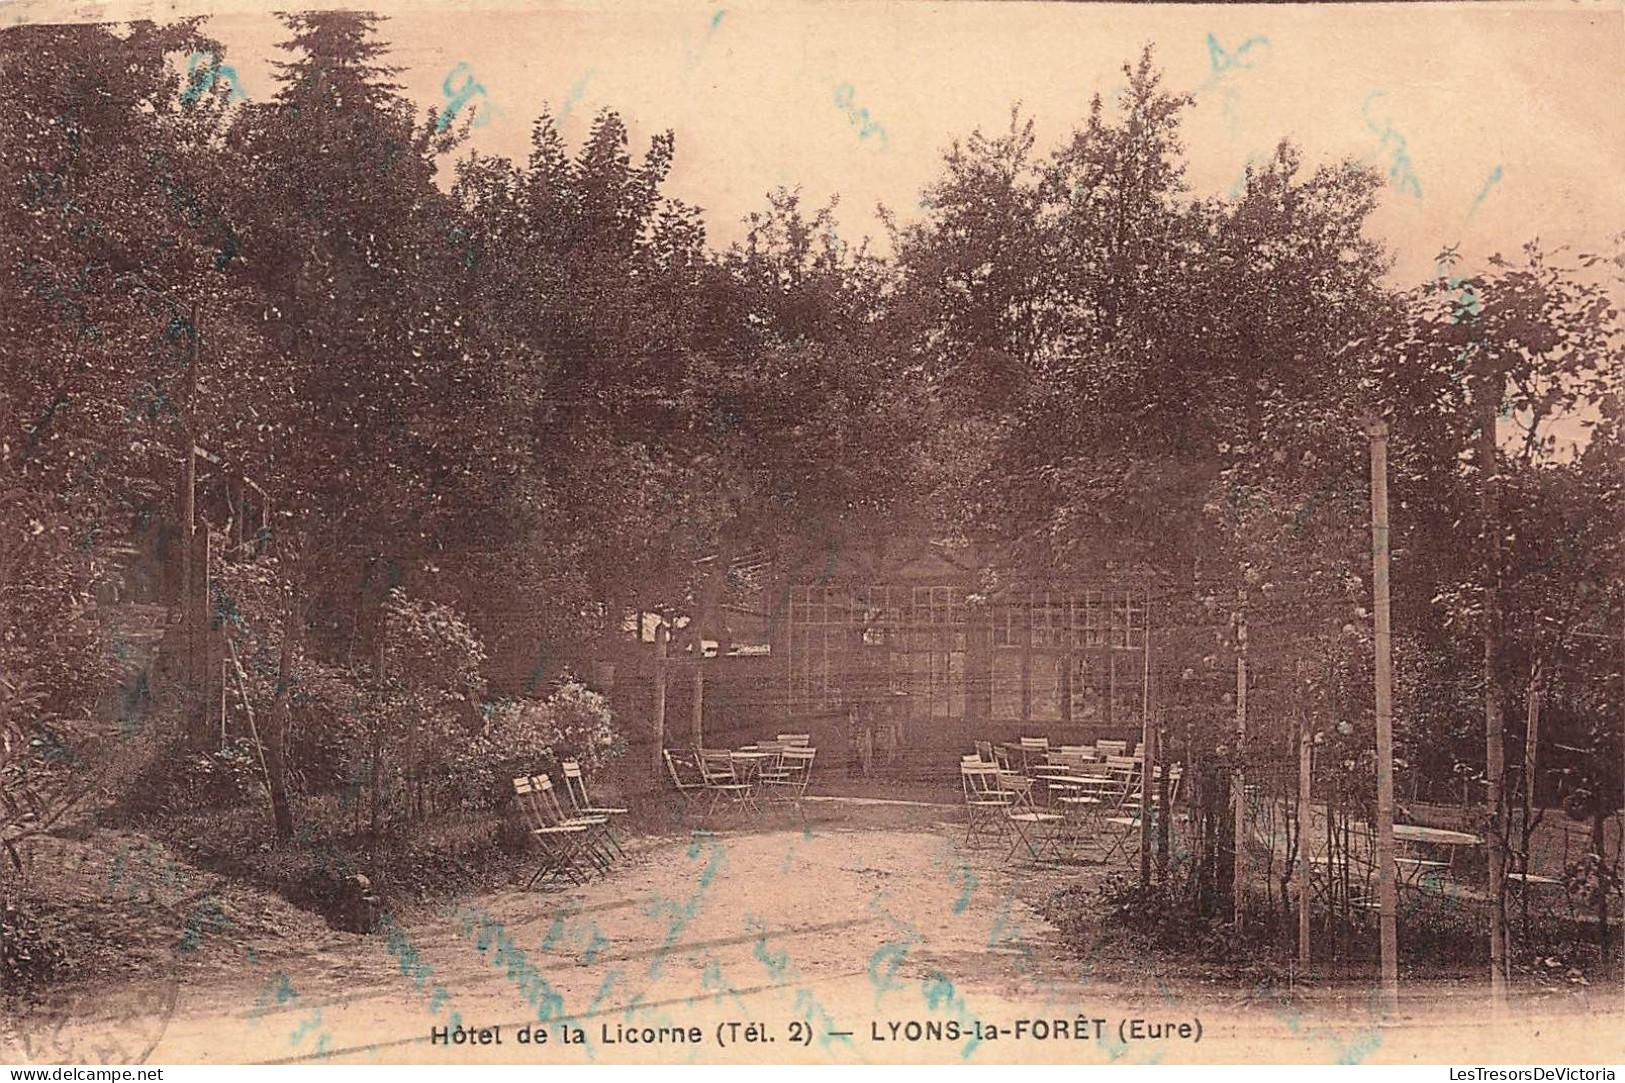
{"x":687,"y":533}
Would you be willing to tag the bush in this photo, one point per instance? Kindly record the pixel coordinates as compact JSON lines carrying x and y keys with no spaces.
{"x":177,"y":778}
{"x":27,"y":954}
{"x":527,"y":737}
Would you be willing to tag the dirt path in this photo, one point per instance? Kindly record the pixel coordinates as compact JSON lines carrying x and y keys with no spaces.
{"x":826,"y":936}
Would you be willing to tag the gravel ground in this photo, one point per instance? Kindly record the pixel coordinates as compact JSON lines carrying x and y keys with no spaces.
{"x":825,"y":935}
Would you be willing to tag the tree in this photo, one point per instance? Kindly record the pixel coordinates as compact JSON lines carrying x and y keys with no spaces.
{"x":1477,"y":371}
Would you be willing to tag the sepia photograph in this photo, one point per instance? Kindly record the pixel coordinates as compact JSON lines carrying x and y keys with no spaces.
{"x":564,"y":533}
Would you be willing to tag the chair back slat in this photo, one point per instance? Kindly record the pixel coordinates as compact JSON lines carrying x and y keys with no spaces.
{"x":549,"y":799}
{"x":981,"y":781}
{"x":527,"y":800}
{"x":801,"y":740}
{"x":1111,"y":748}
{"x":772,"y":754}
{"x":575,"y":785}
{"x":717,"y":765}
{"x":685,"y":772}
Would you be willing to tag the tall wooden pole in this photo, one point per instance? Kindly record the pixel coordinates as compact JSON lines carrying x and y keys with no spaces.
{"x":191,"y":671}
{"x":1238,"y":873}
{"x":1387,"y":898}
{"x":699,"y":696}
{"x":1494,"y":721}
{"x":1531,"y":759}
{"x":1148,"y":765}
{"x":1305,"y":893}
{"x":662,"y":636}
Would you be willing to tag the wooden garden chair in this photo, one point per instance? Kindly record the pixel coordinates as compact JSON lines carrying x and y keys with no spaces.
{"x":986,"y":801}
{"x":581,"y":804}
{"x":772,"y":766}
{"x":687,"y":778}
{"x":560,"y":844}
{"x":789,"y":787}
{"x":722,"y":784}
{"x":1117,"y":816}
{"x":1039,"y":830}
{"x":595,"y":846}
{"x":1034,"y":750}
{"x":1111,"y":748}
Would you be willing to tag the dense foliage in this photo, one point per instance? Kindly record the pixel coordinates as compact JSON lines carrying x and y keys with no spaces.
{"x":535,"y":381}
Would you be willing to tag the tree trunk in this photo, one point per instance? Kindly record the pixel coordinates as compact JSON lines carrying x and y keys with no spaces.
{"x":191,"y":672}
{"x":662,"y":635}
{"x":276,"y":752}
{"x":1599,"y":846}
{"x":1531,"y":773}
{"x":1494,"y":722}
{"x":1238,"y":870}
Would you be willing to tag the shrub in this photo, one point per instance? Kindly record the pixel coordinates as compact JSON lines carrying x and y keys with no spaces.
{"x":177,"y":778}
{"x":27,"y":954}
{"x":526,"y":737}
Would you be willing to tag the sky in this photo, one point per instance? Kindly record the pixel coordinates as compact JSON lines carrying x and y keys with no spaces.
{"x":1494,"y":123}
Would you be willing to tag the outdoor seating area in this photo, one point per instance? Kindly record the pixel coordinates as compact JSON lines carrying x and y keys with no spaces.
{"x":754,"y":780}
{"x":1431,"y":864}
{"x":1060,"y":803}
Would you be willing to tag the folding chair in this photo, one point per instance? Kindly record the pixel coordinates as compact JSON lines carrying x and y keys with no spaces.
{"x":686,"y":777}
{"x":1120,"y":801}
{"x":772,"y":766}
{"x":1141,"y":795}
{"x":722,"y":784}
{"x":1033,"y":751}
{"x":1111,"y":748}
{"x":985,"y":801}
{"x":1036,"y":829}
{"x":1089,"y":793}
{"x":597,"y":826}
{"x":559,"y":843}
{"x":799,"y":740}
{"x":575,"y":786}
{"x":790,"y":785}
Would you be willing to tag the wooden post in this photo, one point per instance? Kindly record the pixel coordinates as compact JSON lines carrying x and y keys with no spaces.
{"x":222,"y":702}
{"x":1489,"y":467}
{"x":1148,"y":766}
{"x":1387,"y":898}
{"x":1238,"y":876}
{"x":189,"y":667}
{"x":1531,"y":740}
{"x":253,"y":727}
{"x":699,"y":693}
{"x":662,"y":636}
{"x":1305,"y":782}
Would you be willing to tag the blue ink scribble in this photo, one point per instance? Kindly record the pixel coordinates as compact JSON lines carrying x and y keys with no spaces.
{"x":1397,"y":149}
{"x":696,"y":52}
{"x":577,"y":90}
{"x":1483,"y":193}
{"x":459,"y":97}
{"x":203,"y":70}
{"x":858,"y":116}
